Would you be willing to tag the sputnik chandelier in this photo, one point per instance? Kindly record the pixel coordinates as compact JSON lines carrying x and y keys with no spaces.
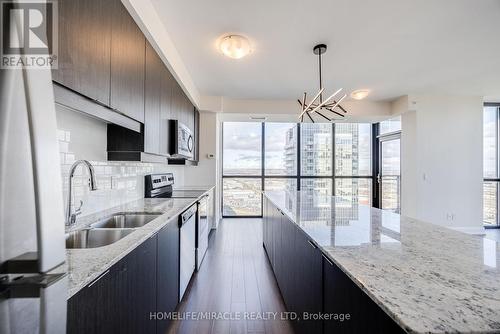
{"x":318,"y":105}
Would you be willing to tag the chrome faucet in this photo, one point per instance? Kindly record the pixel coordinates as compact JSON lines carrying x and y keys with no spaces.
{"x":71,"y":217}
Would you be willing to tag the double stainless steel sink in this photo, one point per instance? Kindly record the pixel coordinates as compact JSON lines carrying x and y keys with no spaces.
{"x":125,"y":220}
{"x":108,"y":230}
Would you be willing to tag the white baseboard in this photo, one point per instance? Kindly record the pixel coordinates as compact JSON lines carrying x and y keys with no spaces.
{"x":469,"y":230}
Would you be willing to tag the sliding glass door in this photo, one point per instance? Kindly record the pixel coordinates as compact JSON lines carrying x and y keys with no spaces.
{"x":390,"y":174}
{"x":389,"y":165}
{"x":491,"y":165}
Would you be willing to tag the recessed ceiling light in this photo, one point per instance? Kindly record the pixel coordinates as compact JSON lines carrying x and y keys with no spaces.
{"x":360,"y":94}
{"x":234,"y":46}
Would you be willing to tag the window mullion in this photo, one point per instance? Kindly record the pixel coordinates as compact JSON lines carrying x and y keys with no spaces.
{"x":299,"y":159}
{"x":497,"y":155}
{"x":333,"y":159}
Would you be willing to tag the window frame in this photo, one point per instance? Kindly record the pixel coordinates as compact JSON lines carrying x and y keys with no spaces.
{"x":497,"y":178}
{"x":298,"y":176}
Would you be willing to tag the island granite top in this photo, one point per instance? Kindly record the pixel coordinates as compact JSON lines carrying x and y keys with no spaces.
{"x":428,"y":278}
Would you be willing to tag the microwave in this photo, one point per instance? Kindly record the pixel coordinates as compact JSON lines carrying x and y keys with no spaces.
{"x":181,"y":140}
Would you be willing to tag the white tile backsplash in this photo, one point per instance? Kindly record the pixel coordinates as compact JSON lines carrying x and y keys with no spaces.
{"x":118,"y":182}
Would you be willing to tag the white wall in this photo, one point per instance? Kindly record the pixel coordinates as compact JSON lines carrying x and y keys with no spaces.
{"x":204,"y":173}
{"x":409,"y":163}
{"x":288,"y":110}
{"x":207,"y":170}
{"x":442,"y":161}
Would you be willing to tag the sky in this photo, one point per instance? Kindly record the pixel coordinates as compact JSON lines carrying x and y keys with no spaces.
{"x":242,"y":146}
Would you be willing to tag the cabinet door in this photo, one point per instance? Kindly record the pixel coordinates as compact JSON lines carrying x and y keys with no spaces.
{"x":211,"y":209}
{"x":152,"y":103}
{"x":167,"y":276}
{"x":127,"y":64}
{"x":189,"y":113}
{"x":94,"y":309}
{"x":272,"y":221}
{"x":165,"y":109}
{"x":141,"y":287}
{"x":341,"y":296}
{"x":265,"y":222}
{"x":84,"y":47}
{"x":308,"y":277}
{"x":289,"y":262}
{"x":177,"y":102}
{"x":196,"y":135}
{"x":278,"y":252}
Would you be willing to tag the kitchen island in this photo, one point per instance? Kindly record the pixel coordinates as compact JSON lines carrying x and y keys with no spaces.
{"x":390,"y":273}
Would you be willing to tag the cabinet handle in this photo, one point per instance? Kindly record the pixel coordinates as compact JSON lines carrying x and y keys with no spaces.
{"x":327,"y":259}
{"x":98,"y":278}
{"x":311,"y":243}
{"x":101,"y":103}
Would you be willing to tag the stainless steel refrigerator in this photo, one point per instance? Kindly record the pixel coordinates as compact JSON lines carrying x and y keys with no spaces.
{"x":32,"y":300}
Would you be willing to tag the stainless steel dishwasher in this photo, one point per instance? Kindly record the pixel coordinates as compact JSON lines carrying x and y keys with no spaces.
{"x":187,"y":224}
{"x":202,"y":230}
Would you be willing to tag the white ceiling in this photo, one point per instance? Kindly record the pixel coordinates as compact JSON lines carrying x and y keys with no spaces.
{"x":393,"y":47}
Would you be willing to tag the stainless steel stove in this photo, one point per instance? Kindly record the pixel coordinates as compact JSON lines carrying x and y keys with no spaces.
{"x":160,"y":186}
{"x":187,"y":193}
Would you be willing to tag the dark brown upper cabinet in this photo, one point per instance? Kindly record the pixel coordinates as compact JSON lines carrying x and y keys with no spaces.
{"x":84,"y":47}
{"x":128,"y":53}
{"x":153,"y":101}
{"x":166,"y":108}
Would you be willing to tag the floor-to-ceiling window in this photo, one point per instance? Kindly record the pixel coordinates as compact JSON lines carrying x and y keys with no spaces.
{"x":242,"y":169}
{"x":321,"y":157}
{"x":280,"y":161}
{"x":353,"y":162}
{"x":316,"y":152}
{"x":491,"y":165}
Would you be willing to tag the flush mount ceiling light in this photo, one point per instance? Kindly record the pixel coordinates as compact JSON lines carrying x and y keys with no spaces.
{"x":360,"y":94}
{"x":234,"y":46}
{"x":318,"y":105}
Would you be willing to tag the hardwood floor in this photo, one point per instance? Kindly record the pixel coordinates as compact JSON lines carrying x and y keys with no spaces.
{"x":235,"y":278}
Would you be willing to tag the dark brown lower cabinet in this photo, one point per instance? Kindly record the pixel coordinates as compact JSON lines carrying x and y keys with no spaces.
{"x":167,"y":276}
{"x":118,"y":301}
{"x":141,"y":292}
{"x":307,"y":269}
{"x":91,"y":309}
{"x":342,"y":296}
{"x":297,"y":266}
{"x":311,"y":285}
{"x":268,"y":229}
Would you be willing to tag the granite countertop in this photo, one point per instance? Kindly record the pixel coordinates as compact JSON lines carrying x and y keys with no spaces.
{"x":428,"y":278}
{"x":85,"y":265}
